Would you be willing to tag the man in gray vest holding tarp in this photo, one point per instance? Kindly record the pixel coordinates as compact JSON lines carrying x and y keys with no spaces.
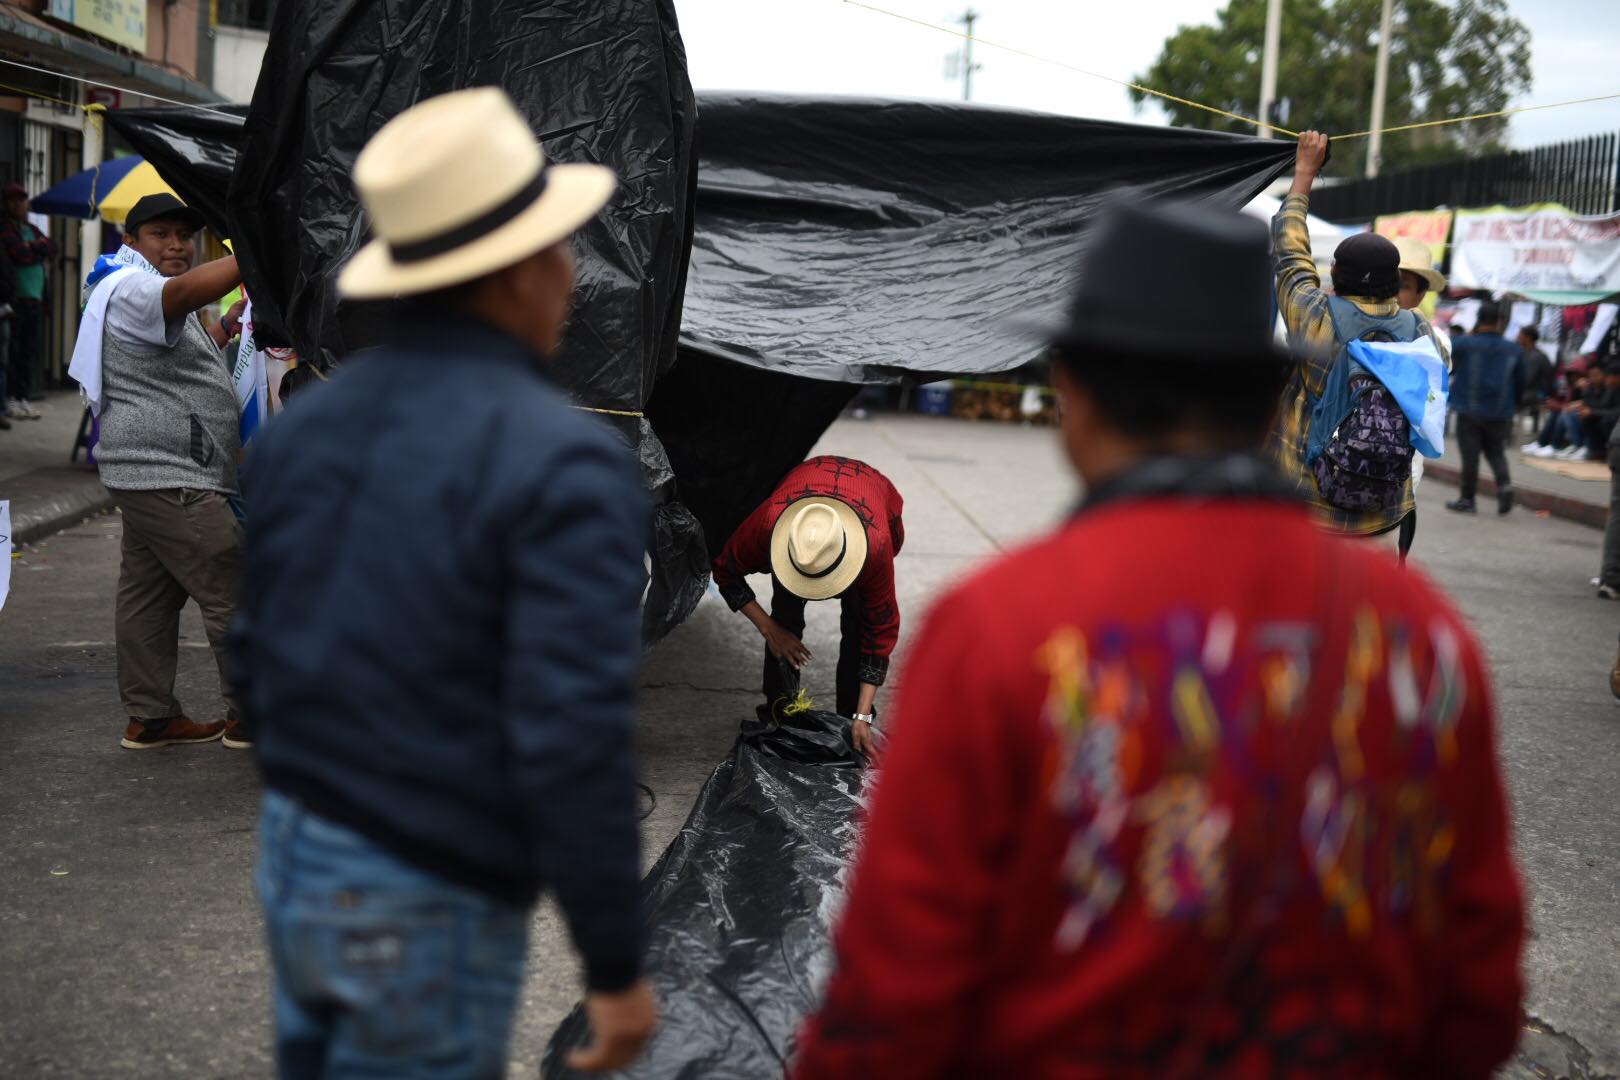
{"x":159,"y":381}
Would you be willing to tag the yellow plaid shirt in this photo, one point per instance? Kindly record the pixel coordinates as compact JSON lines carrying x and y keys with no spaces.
{"x":1304,"y":307}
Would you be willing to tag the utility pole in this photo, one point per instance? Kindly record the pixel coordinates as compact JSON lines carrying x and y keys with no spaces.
{"x":1268,"y":66}
{"x":968,"y":66}
{"x":1375,"y":144}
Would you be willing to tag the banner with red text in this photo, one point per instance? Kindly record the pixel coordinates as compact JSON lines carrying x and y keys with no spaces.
{"x":1430,"y":227}
{"x":1542,"y":252}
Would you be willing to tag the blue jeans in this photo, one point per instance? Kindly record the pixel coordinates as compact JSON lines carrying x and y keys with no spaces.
{"x":381,"y":969}
{"x":1562,"y":430}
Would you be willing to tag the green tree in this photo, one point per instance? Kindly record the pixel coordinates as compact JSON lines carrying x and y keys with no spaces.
{"x":1446,"y":60}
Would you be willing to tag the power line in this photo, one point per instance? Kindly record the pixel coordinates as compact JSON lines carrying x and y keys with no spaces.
{"x":111,"y":86}
{"x":1210,"y":108}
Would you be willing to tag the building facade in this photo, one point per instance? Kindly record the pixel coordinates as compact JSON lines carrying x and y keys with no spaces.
{"x":139,"y":51}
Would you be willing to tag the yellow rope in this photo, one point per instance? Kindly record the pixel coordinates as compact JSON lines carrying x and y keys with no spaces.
{"x":608,"y":412}
{"x":1479,"y":116}
{"x":1071,"y":67}
{"x":1210,"y":108}
{"x":40,"y":96}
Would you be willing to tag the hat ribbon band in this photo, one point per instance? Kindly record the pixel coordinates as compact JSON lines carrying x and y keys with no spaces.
{"x":836,"y":563}
{"x":476,"y":229}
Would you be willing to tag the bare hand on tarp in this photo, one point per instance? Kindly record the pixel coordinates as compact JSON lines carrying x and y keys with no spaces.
{"x":741,"y":903}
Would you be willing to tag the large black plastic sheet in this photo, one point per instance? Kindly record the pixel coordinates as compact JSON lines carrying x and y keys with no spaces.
{"x":849,"y":240}
{"x":837,"y":241}
{"x":599,"y":80}
{"x":740,"y":904}
{"x":856,"y":239}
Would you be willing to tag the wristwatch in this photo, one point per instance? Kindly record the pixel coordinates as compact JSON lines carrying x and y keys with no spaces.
{"x":870,"y":718}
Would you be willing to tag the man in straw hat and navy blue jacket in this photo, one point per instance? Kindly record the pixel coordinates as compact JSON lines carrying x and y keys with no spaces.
{"x":439,"y":632}
{"x":1190,"y":787}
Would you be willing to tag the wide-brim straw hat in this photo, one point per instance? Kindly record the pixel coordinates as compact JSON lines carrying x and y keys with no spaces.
{"x":457,"y":187}
{"x":1417,"y":258}
{"x":818,"y":547}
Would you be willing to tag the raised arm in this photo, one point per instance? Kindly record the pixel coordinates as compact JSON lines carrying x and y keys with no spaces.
{"x":1301,"y":300}
{"x":199,"y":287}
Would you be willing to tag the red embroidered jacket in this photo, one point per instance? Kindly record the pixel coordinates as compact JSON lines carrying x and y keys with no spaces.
{"x":1138,"y":817}
{"x":879,"y":505}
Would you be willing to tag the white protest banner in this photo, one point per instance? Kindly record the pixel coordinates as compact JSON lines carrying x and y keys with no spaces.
{"x":1541,"y":248}
{"x":1524,"y":314}
{"x":1600,"y":326}
{"x":5,"y":550}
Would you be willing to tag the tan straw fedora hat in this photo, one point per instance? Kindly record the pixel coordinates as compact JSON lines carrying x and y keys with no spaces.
{"x":457,"y":187}
{"x":818,"y":547}
{"x":1416,"y":258}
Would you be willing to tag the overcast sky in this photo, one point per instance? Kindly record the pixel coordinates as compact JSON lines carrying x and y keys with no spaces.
{"x":830,"y":46}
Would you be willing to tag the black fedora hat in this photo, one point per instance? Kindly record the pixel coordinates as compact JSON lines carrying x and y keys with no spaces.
{"x":1175,"y":280}
{"x":160,"y":205}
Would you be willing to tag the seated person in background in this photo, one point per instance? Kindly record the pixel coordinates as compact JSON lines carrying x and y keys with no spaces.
{"x":1537,"y":375}
{"x":1561,"y":434}
{"x":1595,"y":413}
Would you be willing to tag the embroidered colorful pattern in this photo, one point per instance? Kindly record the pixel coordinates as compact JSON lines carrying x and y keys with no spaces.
{"x":1161,"y":732}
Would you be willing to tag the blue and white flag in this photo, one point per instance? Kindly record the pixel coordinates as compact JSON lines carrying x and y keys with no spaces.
{"x":251,"y":379}
{"x":84,"y":367}
{"x":1415,"y":375}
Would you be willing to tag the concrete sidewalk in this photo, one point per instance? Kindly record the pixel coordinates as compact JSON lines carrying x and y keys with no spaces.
{"x":48,"y":492}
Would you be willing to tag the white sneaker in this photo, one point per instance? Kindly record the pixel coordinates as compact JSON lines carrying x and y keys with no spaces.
{"x":1573,"y":453}
{"x":1543,"y":452}
{"x":1530,"y":448}
{"x":14,"y":410}
{"x":28,"y":410}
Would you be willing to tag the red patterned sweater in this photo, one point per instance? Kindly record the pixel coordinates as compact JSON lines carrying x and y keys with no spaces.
{"x":879,"y":506}
{"x":1138,"y":818}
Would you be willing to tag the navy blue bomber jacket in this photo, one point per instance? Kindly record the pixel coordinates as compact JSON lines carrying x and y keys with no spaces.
{"x":1487,"y":376}
{"x":437,"y":637}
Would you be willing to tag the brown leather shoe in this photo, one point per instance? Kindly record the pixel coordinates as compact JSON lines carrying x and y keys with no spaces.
{"x":1614,"y":678}
{"x":171,"y":732}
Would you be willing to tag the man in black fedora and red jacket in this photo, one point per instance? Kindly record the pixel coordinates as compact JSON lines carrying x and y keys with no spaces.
{"x":1191,"y":786}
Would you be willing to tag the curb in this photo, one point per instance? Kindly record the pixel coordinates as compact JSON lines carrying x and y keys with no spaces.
{"x":1559,"y":506}
{"x":46,"y":501}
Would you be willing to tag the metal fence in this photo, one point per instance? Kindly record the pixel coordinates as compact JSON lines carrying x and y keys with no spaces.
{"x":1580,"y":174}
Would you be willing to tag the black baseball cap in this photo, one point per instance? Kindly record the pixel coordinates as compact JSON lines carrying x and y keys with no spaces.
{"x":1367,"y":265}
{"x":161,"y":205}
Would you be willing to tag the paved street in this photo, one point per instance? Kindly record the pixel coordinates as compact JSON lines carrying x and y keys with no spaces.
{"x":129,"y":937}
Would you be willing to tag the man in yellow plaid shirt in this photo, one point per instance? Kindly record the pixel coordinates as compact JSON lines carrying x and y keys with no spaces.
{"x":1361,"y":276}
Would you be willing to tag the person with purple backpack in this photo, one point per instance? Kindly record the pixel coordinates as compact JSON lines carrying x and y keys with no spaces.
{"x":1340,"y":435}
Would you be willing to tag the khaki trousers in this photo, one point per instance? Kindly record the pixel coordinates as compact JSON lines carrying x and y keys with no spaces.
{"x":178,"y":542}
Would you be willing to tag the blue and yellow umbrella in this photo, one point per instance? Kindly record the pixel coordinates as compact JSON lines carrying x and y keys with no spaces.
{"x":109,"y":190}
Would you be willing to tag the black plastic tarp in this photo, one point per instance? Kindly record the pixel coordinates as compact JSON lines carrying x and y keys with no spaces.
{"x":837,"y":241}
{"x":740,"y":904}
{"x":600,"y":81}
{"x":855,"y":239}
